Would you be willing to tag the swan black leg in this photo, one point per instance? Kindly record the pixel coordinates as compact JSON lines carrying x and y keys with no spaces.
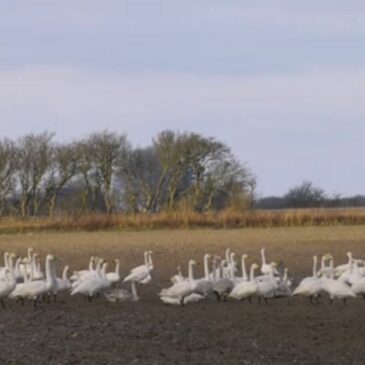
{"x":331,"y":301}
{"x":249,"y":300}
{"x":182,"y":301}
{"x":344,"y":301}
{"x":259,"y":300}
{"x":266,"y":301}
{"x":2,"y":303}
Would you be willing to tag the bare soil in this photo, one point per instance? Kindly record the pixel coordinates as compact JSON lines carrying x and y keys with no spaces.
{"x":73,"y":331}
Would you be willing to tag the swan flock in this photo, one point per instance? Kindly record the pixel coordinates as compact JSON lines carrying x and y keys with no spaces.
{"x":225,"y":278}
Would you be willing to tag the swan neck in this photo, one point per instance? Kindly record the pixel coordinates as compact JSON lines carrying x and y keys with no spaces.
{"x":315,"y":272}
{"x":64,"y":274}
{"x":6,"y":260}
{"x":11,"y":269}
{"x":263,"y":257}
{"x":191,"y":271}
{"x":91,"y":264}
{"x":214,"y":267}
{"x":244,"y":273}
{"x":206,"y":268}
{"x":252,"y":273}
{"x":331,"y":270}
{"x":49,"y":272}
{"x":228,"y":251}
{"x":150,"y":262}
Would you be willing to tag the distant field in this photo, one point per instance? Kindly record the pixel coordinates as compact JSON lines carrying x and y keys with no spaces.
{"x":283,"y":332}
{"x":172,"y":247}
{"x":176,"y":220}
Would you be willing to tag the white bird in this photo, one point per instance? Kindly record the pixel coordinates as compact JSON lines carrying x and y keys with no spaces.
{"x":63,"y":283}
{"x":222,"y":286}
{"x":246,"y":289}
{"x":266,"y":288}
{"x":35,"y":289}
{"x":8,"y":285}
{"x":284,"y":285}
{"x":91,"y":269}
{"x":5,"y":269}
{"x":336,"y":288}
{"x":87,"y":274}
{"x":359,"y":287}
{"x":352,"y":274}
{"x":310,"y":286}
{"x":93,"y":284}
{"x":142,"y":274}
{"x":266,"y":268}
{"x":177,"y":278}
{"x":205,"y":285}
{"x":122,"y":295}
{"x":114,"y":277}
{"x":181,"y":290}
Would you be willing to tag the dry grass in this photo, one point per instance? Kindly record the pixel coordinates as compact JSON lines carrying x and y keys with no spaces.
{"x":177,"y":220}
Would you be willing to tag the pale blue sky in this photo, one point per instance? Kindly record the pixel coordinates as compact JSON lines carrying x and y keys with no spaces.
{"x":281,"y":82}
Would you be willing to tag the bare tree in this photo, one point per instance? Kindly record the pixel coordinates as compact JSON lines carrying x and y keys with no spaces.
{"x":8,"y":168}
{"x":33,"y":158}
{"x":107,"y":150}
{"x":141,"y":173}
{"x":88,"y":179}
{"x":62,"y":167}
{"x":173,"y":152}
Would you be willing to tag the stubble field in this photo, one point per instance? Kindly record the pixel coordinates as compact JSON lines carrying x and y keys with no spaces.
{"x":73,"y":331}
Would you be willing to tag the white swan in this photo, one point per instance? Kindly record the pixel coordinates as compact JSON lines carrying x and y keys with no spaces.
{"x":78,"y":275}
{"x":284,"y":285}
{"x":177,"y":278}
{"x":93,"y":285}
{"x":205,"y":285}
{"x":8,"y":285}
{"x":222,"y":286}
{"x":180,"y":291}
{"x":359,"y":287}
{"x":266,"y":268}
{"x":141,"y":274}
{"x":114,"y":277}
{"x":122,"y":295}
{"x":246,"y":289}
{"x":35,"y":289}
{"x":336,"y":288}
{"x":352,"y":274}
{"x":310,"y":286}
{"x":5,"y":269}
{"x":63,"y":283}
{"x":266,"y":288}
{"x":36,"y":268}
{"x":87,"y":274}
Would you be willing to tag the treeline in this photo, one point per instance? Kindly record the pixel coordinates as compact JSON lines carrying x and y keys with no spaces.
{"x":105,"y":173}
{"x":306,"y":195}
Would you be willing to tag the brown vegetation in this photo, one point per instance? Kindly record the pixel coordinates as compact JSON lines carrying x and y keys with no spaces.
{"x":173,"y":220}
